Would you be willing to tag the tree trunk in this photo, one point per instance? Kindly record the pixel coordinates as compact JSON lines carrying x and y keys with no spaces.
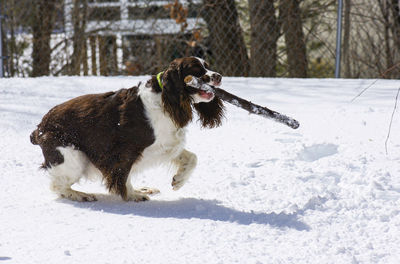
{"x":93,"y":56}
{"x":85,"y":60}
{"x":395,"y":7}
{"x":290,"y":13}
{"x":42,"y":26}
{"x":346,"y":39}
{"x":385,"y":12}
{"x":8,"y":43}
{"x":103,"y":55}
{"x":114,"y":55}
{"x":79,"y":16}
{"x":12,"y":46}
{"x":264,"y":36}
{"x":228,"y":49}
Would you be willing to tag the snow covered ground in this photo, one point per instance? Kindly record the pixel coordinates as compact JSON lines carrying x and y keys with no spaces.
{"x":262,"y":192}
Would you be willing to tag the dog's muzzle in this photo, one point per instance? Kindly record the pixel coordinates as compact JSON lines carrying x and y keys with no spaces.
{"x":212,"y":78}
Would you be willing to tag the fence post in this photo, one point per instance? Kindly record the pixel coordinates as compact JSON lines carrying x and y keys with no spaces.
{"x":338,"y":39}
{"x":1,"y":48}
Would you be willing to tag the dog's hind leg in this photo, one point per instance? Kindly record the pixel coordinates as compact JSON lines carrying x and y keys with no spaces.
{"x":70,"y":171}
{"x":186,"y":163}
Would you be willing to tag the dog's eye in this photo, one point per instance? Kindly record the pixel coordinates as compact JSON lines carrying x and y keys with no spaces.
{"x":197,"y":71}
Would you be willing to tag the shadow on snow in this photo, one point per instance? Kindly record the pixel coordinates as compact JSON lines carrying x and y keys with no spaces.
{"x":189,"y":208}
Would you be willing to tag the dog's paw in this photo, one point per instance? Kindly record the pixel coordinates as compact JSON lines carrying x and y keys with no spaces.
{"x":78,"y":196}
{"x":137,"y":197}
{"x":178,"y":181}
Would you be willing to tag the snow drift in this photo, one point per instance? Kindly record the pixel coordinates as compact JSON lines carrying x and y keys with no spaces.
{"x":262,"y":192}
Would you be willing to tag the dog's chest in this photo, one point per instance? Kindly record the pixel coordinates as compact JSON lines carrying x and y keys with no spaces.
{"x":169,"y":140}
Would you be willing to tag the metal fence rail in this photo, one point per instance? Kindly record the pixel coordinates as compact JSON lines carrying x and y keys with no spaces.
{"x":1,"y":47}
{"x":269,"y":38}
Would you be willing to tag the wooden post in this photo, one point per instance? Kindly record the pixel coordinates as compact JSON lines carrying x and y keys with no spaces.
{"x":114,"y":55}
{"x":103,"y":56}
{"x":93,"y":51}
{"x":85,"y":59}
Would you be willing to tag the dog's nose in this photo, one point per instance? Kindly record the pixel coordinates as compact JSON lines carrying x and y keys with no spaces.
{"x":216,"y":77}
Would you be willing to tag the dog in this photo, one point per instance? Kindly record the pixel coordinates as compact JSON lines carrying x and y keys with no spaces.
{"x":119,"y":134}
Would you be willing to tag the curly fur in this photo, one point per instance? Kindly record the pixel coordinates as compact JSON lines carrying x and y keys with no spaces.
{"x":117,"y":134}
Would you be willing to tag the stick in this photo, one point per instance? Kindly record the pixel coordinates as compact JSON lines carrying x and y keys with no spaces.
{"x":391,"y":121}
{"x":381,"y":76}
{"x":242,"y":103}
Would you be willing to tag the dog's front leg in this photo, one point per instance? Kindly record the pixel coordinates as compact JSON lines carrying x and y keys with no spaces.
{"x":136,"y":195}
{"x":186,"y":162}
{"x":118,"y":181}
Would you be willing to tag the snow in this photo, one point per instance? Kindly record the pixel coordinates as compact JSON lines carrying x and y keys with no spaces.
{"x":262,"y":192}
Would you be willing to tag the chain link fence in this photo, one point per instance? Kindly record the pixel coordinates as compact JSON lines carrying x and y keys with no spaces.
{"x":269,"y":38}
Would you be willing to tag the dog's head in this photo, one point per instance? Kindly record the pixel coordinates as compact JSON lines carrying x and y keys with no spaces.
{"x":178,"y":98}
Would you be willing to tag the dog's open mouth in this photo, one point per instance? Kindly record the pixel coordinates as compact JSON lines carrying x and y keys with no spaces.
{"x":206,"y":94}
{"x":203,"y":90}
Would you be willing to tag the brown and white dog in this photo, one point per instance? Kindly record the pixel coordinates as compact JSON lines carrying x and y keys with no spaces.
{"x":118,"y":134}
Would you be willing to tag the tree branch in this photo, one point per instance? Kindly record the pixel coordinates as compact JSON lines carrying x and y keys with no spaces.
{"x":391,"y":120}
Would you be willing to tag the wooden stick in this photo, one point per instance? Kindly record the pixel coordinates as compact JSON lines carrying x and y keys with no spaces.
{"x":242,"y":103}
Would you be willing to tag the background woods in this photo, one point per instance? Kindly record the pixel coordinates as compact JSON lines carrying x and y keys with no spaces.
{"x":291,"y":38}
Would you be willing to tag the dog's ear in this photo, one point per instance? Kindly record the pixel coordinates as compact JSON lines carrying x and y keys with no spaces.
{"x":211,"y":114}
{"x":177,"y":103}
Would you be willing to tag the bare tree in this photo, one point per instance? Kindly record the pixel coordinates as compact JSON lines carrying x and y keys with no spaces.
{"x":292,"y":23}
{"x":395,"y":8}
{"x":374,"y":48}
{"x":346,"y":39}
{"x":228,"y":48}
{"x":43,"y":15}
{"x":385,"y":11}
{"x":79,"y":18}
{"x":265,"y":30}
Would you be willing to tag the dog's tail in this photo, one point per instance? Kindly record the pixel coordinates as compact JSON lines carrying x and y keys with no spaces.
{"x":35,"y":137}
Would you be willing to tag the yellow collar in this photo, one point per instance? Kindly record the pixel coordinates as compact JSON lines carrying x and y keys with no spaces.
{"x":159,"y":80}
